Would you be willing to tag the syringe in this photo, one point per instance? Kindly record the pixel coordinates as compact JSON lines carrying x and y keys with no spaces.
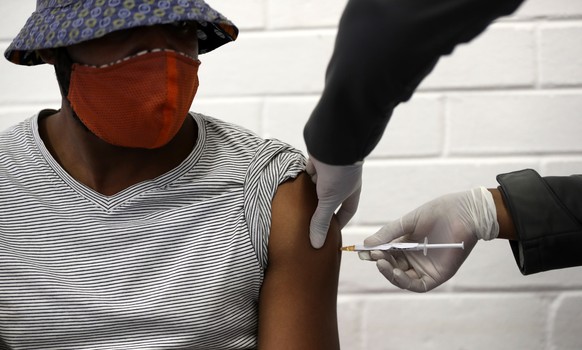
{"x":404,"y":246}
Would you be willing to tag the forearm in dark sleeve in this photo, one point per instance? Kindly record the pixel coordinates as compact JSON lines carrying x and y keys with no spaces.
{"x":383,"y":50}
{"x":547,"y":214}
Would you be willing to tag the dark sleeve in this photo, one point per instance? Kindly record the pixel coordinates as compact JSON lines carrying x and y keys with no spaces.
{"x":547,"y":213}
{"x":383,"y":50}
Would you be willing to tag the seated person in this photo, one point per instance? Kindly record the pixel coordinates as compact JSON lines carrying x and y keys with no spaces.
{"x":127,"y":222}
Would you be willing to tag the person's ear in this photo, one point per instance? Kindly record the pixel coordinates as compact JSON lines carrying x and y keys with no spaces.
{"x":48,"y":55}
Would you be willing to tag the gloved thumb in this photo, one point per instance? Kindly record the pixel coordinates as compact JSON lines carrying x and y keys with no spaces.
{"x":401,"y":280}
{"x":348,"y":208}
{"x":319,"y":225}
{"x":311,"y":171}
{"x":386,"y":234}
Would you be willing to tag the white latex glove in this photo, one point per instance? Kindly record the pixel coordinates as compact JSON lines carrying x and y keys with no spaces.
{"x":452,"y":218}
{"x":336,"y":185}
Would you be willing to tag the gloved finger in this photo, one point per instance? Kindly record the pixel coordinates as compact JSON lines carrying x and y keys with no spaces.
{"x":394,"y":275}
{"x":396,"y":259}
{"x":401,"y":261}
{"x":314,"y":178}
{"x":379,"y":255}
{"x":418,"y":285}
{"x":348,"y":208}
{"x":412,"y":273}
{"x":365,"y":255}
{"x":386,"y":234}
{"x":408,"y":280}
{"x":401,"y":279}
{"x":387,"y":270}
{"x":310,"y":168}
{"x":420,"y":282}
{"x":319,"y":225}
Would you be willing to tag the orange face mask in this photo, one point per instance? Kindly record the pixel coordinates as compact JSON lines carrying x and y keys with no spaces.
{"x":140,"y":102}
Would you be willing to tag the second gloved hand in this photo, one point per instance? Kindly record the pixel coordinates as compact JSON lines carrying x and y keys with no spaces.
{"x":336,"y":185}
{"x":452,"y":218}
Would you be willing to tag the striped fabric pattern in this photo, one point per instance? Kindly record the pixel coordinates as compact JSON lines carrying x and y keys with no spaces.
{"x":172,"y":263}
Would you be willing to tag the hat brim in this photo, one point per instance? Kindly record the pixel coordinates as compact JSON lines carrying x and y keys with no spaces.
{"x":72,"y":22}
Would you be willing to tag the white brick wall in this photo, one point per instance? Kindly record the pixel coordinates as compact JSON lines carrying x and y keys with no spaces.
{"x":511,"y":99}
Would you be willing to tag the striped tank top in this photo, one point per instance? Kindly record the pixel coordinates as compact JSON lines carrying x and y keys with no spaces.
{"x":175,"y":262}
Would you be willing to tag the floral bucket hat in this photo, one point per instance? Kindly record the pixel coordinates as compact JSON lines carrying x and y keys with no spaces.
{"x":58,"y":23}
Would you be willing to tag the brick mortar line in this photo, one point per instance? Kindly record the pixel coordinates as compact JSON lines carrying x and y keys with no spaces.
{"x":571,"y":89}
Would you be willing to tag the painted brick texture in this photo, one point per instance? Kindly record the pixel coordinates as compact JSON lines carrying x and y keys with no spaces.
{"x":509,"y":100}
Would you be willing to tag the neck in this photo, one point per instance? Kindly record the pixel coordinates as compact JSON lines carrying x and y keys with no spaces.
{"x":106,"y":168}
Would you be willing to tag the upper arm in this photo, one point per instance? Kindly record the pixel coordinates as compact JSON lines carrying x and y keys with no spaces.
{"x":297,"y":308}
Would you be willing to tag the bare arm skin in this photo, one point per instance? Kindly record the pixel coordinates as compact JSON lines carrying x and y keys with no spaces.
{"x":506,"y":226}
{"x":297,"y":308}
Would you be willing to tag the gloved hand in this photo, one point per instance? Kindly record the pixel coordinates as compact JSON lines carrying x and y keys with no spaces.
{"x":452,"y":218}
{"x":336,"y":185}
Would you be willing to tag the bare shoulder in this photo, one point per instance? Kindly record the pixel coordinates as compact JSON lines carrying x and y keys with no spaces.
{"x":298,"y":301}
{"x":292,"y":209}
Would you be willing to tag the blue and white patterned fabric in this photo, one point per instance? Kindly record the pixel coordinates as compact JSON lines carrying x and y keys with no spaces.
{"x":59,"y":23}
